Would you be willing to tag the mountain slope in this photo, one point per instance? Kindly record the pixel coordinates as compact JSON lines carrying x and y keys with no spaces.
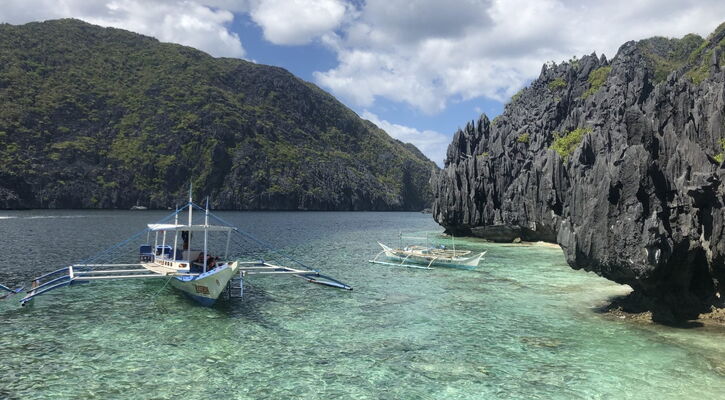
{"x":619,"y":162}
{"x":99,"y":117}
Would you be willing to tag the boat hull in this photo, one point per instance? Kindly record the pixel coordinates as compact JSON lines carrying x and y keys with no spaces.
{"x":407,"y":258}
{"x":206,"y":288}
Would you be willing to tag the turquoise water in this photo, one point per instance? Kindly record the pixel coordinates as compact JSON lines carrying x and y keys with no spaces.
{"x":521,"y":326}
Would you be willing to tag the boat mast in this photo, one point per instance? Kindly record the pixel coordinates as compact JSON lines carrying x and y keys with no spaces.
{"x":226,"y":251}
{"x":176,"y":233}
{"x":190,"y":207}
{"x":206,"y":232}
{"x":163,"y":245}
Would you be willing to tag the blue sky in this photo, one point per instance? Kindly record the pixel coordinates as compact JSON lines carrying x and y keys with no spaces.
{"x":419,"y":69}
{"x":305,"y":60}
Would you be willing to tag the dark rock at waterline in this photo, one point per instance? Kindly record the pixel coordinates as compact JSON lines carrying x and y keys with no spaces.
{"x":619,"y":162}
{"x":95,"y":117}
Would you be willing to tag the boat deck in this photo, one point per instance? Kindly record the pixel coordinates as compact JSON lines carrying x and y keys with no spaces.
{"x":164,"y":269}
{"x":432,"y":251}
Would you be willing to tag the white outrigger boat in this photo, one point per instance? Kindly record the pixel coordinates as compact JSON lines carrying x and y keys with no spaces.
{"x":424,"y":257}
{"x":194,"y":272}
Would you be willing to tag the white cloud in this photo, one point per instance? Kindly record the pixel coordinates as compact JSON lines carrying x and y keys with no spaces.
{"x":405,"y":21}
{"x":427,"y":53}
{"x":424,"y":53}
{"x":363,"y":75}
{"x":430,"y":143}
{"x":240,"y":6}
{"x":293,"y":22}
{"x":185,"y":22}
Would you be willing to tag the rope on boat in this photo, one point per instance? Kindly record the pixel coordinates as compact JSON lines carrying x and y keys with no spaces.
{"x":109,"y":250}
{"x":259,"y":241}
{"x":160,"y":308}
{"x":312,"y":276}
{"x":116,"y":246}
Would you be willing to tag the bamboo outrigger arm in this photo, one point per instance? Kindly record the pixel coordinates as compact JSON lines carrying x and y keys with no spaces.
{"x":9,"y":292}
{"x":311,"y":276}
{"x":80,"y":273}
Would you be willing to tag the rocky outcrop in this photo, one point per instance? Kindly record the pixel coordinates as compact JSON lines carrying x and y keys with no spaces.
{"x":95,"y":117}
{"x":618,"y":162}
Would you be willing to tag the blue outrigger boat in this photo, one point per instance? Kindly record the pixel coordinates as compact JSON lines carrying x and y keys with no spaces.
{"x":194,"y":272}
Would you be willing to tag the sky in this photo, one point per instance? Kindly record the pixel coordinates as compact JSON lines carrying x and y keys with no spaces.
{"x":419,"y":69}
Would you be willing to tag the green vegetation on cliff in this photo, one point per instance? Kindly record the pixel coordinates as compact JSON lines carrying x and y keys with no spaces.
{"x":596,"y":79}
{"x":556,"y":84}
{"x":565,"y":144}
{"x":719,"y":157}
{"x":100,"y":117}
{"x":665,"y":55}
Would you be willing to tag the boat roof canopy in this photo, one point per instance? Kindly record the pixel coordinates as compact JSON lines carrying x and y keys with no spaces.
{"x":193,"y":228}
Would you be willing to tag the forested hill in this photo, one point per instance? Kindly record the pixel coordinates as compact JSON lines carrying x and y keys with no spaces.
{"x":94,"y":117}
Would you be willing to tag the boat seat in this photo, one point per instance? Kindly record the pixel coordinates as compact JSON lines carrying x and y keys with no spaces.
{"x":165,"y":250}
{"x":145,"y":254}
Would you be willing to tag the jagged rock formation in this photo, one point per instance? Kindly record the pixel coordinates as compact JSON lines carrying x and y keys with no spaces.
{"x":619,"y":162}
{"x":95,"y":117}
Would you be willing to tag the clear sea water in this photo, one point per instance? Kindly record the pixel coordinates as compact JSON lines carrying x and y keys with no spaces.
{"x":521,"y":326}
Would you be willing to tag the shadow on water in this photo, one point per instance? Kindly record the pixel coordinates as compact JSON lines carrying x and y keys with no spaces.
{"x":10,"y":307}
{"x":249,"y":307}
{"x":637,"y":308}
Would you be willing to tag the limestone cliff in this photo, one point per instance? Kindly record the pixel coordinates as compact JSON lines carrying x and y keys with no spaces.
{"x":620,"y":162}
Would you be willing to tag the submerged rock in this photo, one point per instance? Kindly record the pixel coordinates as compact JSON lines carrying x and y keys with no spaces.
{"x":618,"y":162}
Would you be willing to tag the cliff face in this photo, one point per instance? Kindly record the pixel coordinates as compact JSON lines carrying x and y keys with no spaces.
{"x":619,"y":162}
{"x":92,"y":117}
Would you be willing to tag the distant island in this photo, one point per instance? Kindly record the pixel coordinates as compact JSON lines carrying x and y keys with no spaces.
{"x":620,"y":162}
{"x":94,"y":117}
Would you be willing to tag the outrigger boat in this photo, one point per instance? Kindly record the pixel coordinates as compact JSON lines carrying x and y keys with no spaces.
{"x":424,"y":257}
{"x":194,"y":272}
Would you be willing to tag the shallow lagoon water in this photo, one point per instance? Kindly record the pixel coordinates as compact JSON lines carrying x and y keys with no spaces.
{"x":521,"y":326}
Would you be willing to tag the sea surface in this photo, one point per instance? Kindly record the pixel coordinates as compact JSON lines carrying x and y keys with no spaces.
{"x":523,"y":325}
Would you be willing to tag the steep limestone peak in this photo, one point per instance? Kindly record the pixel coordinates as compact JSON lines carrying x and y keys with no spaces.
{"x":620,"y":162}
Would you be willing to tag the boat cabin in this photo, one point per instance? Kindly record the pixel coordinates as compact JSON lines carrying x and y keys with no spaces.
{"x":172,"y":250}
